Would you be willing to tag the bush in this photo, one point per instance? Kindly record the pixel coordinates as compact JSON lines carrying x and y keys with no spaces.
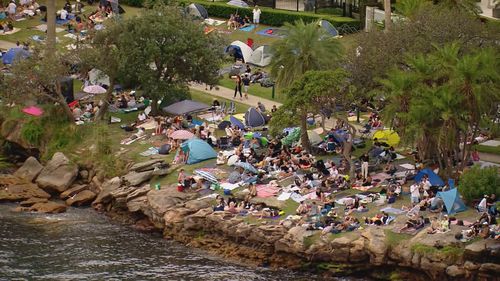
{"x":477,"y":182}
{"x":272,"y":17}
{"x":32,"y":132}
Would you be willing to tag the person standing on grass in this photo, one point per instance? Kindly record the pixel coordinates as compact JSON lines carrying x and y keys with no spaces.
{"x":364,"y":165}
{"x":256,"y":15}
{"x":246,"y":83}
{"x":237,"y":87}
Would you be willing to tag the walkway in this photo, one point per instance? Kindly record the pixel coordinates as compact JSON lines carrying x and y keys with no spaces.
{"x":227,"y":93}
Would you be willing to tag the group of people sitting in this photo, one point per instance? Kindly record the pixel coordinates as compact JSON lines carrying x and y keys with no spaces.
{"x":236,"y":21}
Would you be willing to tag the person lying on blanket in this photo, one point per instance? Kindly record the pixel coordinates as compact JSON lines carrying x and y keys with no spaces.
{"x":140,"y":133}
{"x":415,"y":222}
{"x":378,"y":219}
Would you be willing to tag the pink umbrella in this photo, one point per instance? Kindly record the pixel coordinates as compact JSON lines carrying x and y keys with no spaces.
{"x":182,"y":135}
{"x":94,"y":89}
{"x":33,"y":110}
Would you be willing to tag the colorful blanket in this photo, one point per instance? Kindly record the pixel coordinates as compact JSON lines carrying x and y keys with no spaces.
{"x":265,"y":190}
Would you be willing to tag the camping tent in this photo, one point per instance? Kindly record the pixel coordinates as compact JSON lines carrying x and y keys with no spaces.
{"x":253,"y":118}
{"x":261,"y":56}
{"x":433,"y":178}
{"x":185,"y":107}
{"x":329,"y":28}
{"x":198,"y":151}
{"x":240,"y":50}
{"x":197,"y":11}
{"x":314,"y":138}
{"x":388,"y":136}
{"x":14,"y":53}
{"x":293,"y":136}
{"x":452,"y":201}
{"x":97,"y":77}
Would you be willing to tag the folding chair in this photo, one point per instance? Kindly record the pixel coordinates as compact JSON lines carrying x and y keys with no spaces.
{"x":232,"y":108}
{"x":223,"y":107}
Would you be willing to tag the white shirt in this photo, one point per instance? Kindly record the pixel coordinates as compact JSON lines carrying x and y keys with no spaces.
{"x":415,"y":192}
{"x":64,"y":14}
{"x":426,"y":184}
{"x":12,"y":8}
{"x":482,"y":204}
{"x":256,"y":13}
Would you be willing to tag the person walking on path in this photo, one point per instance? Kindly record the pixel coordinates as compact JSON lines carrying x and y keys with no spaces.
{"x":246,"y":83}
{"x":256,"y":15}
{"x":237,"y":87}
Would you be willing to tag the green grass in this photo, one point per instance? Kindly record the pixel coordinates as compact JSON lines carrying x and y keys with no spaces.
{"x":393,"y":239}
{"x":310,"y":240}
{"x":208,"y":99}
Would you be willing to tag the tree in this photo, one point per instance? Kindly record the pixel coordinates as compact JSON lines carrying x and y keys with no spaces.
{"x":477,"y":182}
{"x":163,"y":51}
{"x":408,"y":8}
{"x":305,"y":47}
{"x":440,"y":99}
{"x":467,"y":6}
{"x":387,"y":15}
{"x":51,"y":26}
{"x":314,"y":90}
{"x":38,"y":78}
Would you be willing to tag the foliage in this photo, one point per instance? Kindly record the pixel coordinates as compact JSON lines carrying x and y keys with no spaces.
{"x":409,"y":7}
{"x":163,"y":50}
{"x":3,"y":162}
{"x":467,"y":6}
{"x":488,"y":149}
{"x":32,"y":132}
{"x":476,"y":182}
{"x":440,"y":98}
{"x":379,"y":51}
{"x":283,"y":118}
{"x":305,"y":47}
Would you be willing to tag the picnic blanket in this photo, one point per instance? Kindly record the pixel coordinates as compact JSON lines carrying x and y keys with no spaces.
{"x":380,"y":177}
{"x":297,"y":197}
{"x":408,"y":166}
{"x":271,"y":32}
{"x":130,"y":141}
{"x":284,"y":196}
{"x":43,"y":28}
{"x":354,"y":119}
{"x":149,"y":125}
{"x":266,"y":190}
{"x":363,"y":188}
{"x":11,"y":31}
{"x":229,"y":186}
{"x":150,"y":151}
{"x":214,"y":22}
{"x":391,"y":210}
{"x":248,"y":28}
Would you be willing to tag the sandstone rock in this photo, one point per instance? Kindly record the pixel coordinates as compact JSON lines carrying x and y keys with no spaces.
{"x":29,"y":170}
{"x":455,"y":271}
{"x":196,"y":205}
{"x":48,"y":207}
{"x":139,"y":192}
{"x":175,"y":216}
{"x":136,"y":178}
{"x":123,"y":192}
{"x":357,"y":251}
{"x":72,"y":191}
{"x":471,"y":266}
{"x":159,"y":201}
{"x":197,"y":220}
{"x":137,"y":204}
{"x":145,"y":166}
{"x":144,"y":225}
{"x":84,"y":175}
{"x":105,"y":195}
{"x":32,"y":201}
{"x":375,"y":244}
{"x":490,"y":268}
{"x":58,"y":175}
{"x":82,"y":198}
{"x":160,"y":172}
{"x":13,"y":189}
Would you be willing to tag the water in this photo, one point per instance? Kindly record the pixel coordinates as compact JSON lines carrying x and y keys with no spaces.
{"x":83,"y":245}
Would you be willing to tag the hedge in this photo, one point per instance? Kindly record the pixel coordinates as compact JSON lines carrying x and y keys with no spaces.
{"x":269,"y":16}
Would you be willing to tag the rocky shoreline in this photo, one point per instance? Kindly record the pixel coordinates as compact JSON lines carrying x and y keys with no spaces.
{"x":373,"y":251}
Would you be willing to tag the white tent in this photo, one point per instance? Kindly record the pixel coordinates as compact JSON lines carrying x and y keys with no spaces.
{"x":261,"y":56}
{"x":197,"y":11}
{"x":97,"y":77}
{"x":246,"y":51}
{"x":314,"y":137}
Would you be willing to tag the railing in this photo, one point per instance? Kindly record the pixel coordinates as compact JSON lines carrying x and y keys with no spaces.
{"x":337,"y":7}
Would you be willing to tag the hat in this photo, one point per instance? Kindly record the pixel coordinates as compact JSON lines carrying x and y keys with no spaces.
{"x":485,"y":223}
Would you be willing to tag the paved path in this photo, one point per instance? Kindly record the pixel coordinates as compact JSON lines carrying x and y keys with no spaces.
{"x":6,"y":45}
{"x":227,"y":93}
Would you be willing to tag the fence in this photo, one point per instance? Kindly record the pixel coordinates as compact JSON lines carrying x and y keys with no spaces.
{"x":337,"y":7}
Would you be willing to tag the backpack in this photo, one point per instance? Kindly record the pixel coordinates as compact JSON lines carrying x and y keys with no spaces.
{"x":164,"y":149}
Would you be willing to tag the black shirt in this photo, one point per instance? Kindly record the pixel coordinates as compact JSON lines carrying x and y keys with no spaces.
{"x":364,"y":158}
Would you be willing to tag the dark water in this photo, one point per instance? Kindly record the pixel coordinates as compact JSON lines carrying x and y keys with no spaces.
{"x":83,"y":245}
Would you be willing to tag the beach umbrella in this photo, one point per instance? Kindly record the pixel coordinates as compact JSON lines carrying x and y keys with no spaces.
{"x":247,"y":167}
{"x":94,"y":89}
{"x":182,"y":135}
{"x":238,"y":3}
{"x":232,"y":160}
{"x":33,"y":110}
{"x":236,"y":122}
{"x":388,"y":136}
{"x":206,"y":175}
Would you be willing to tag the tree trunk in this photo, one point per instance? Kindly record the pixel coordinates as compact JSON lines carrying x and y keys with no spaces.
{"x":154,"y":107}
{"x":105,"y":105}
{"x":304,"y":138}
{"x":63,"y":103}
{"x":387,"y":14}
{"x":346,"y":153}
{"x":51,"y":25}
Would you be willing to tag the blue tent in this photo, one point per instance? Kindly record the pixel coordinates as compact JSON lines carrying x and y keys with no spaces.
{"x":329,"y":28}
{"x":235,"y":51}
{"x":198,"y":151}
{"x":236,"y":122}
{"x":253,"y":118}
{"x":452,"y":201}
{"x":433,"y":178}
{"x":14,"y":53}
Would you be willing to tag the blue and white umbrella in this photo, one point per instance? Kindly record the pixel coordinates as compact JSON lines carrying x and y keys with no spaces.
{"x":206,"y":175}
{"x":247,"y":167}
{"x":238,"y":3}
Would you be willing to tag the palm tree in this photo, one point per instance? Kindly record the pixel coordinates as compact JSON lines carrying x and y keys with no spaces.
{"x":408,"y":8}
{"x":305,"y":47}
{"x":387,"y":15}
{"x":469,"y":6}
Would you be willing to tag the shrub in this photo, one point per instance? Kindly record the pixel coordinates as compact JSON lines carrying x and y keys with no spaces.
{"x":32,"y":132}
{"x":476,"y":182}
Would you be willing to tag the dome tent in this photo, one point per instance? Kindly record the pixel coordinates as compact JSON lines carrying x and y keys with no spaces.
{"x":253,"y":118}
{"x":197,"y":11}
{"x":198,"y":151}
